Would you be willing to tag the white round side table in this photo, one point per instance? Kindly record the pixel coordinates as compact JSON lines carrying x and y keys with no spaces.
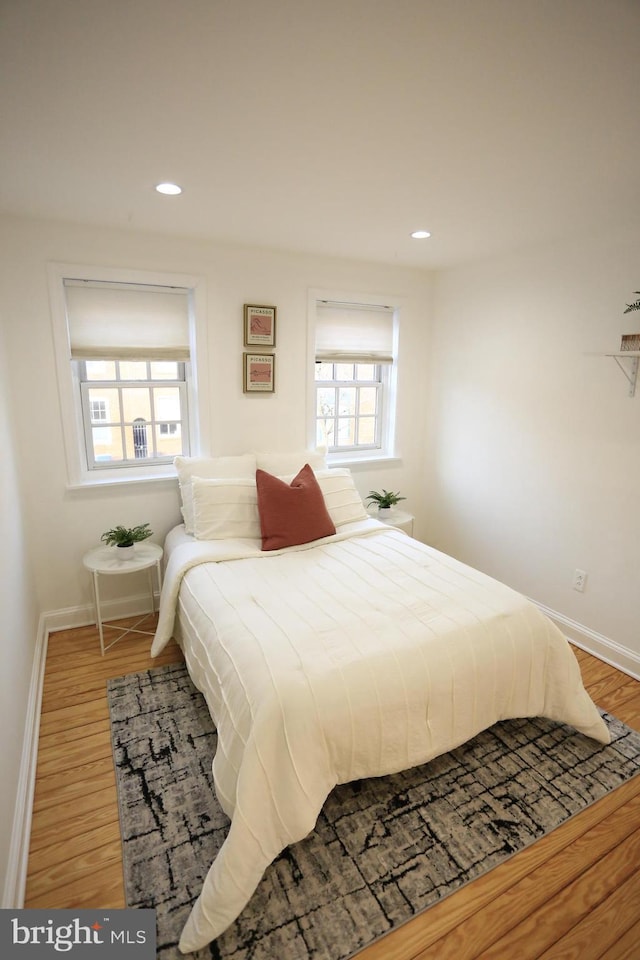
{"x":104,"y":561}
{"x":396,"y":518}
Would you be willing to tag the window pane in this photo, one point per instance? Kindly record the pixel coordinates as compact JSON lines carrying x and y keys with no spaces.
{"x":107,"y":444}
{"x":347,"y":401}
{"x":344,"y":371}
{"x":324,"y":371}
{"x":136,"y":403}
{"x":346,"y":432}
{"x":368,"y":396}
{"x":366,"y":371}
{"x":133,"y":369}
{"x":164,"y":370}
{"x":138,"y":440}
{"x":168,"y":440}
{"x":366,"y":430}
{"x":103,"y":404}
{"x":166,"y":403}
{"x":324,"y":433}
{"x":326,"y":402}
{"x":100,"y":369}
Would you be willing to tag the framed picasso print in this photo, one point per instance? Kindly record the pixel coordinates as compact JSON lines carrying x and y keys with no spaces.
{"x":258,"y":372}
{"x":259,"y":326}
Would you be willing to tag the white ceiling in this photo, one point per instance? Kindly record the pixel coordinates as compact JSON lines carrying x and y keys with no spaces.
{"x":328,"y":126}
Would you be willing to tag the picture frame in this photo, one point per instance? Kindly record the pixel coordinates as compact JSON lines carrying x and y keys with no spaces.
{"x":258,"y":372}
{"x":259,"y":325}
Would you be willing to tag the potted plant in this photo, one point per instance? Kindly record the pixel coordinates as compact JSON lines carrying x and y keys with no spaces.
{"x":631,"y":341}
{"x":385,"y":500}
{"x":125,"y":537}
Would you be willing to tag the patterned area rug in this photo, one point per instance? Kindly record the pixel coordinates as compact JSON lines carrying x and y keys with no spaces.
{"x":383,"y":849}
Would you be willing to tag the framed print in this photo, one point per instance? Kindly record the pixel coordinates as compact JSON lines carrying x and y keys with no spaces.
{"x":259,"y":372}
{"x":259,"y":326}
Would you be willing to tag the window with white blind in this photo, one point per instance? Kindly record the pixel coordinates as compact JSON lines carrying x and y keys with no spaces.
{"x":354,"y":377}
{"x":125,"y":363}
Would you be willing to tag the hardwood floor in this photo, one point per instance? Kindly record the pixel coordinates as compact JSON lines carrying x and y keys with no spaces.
{"x":573,"y":894}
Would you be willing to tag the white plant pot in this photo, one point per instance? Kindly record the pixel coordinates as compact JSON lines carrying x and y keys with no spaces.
{"x":384,"y":511}
{"x":125,"y":553}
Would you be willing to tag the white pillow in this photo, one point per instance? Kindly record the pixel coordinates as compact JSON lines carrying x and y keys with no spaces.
{"x":225,"y":508}
{"x":343,"y":501}
{"x":209,"y":468}
{"x":281,"y":464}
{"x":228,"y":508}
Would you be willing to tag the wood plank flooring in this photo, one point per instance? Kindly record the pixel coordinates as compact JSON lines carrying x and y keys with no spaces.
{"x":573,"y":894}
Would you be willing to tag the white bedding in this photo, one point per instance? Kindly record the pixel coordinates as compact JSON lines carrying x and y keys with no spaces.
{"x":359,"y":655}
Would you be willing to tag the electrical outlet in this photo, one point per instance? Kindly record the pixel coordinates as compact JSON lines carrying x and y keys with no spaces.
{"x":579,"y":580}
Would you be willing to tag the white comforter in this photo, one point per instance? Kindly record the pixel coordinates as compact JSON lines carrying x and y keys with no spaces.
{"x":360,"y":655}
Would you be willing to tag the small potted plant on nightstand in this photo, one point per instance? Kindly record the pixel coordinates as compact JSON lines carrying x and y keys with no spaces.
{"x":635,"y":305}
{"x":124,"y":538}
{"x":385,"y":500}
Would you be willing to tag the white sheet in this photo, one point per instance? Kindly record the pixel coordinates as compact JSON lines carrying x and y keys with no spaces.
{"x":360,"y":655}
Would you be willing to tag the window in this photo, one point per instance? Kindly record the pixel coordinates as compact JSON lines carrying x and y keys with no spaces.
{"x":168,"y":429}
{"x":142,"y":396}
{"x":127,"y":371}
{"x":130,"y":343}
{"x":349,"y":405}
{"x":98,"y":410}
{"x":354,"y":361}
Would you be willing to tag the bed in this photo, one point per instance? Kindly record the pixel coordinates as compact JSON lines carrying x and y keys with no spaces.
{"x":357,"y":653}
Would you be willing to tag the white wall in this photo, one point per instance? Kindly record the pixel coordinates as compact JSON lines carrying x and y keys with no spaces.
{"x":19,"y":620}
{"x":62,"y":524}
{"x":535,"y":463}
{"x":526,"y":466}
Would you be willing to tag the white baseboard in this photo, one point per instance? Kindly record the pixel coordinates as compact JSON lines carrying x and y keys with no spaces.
{"x":628,"y":661}
{"x":16,"y":877}
{"x":64,"y":619}
{"x":80,"y":616}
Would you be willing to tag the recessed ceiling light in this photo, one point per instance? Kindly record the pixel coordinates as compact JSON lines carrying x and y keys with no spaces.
{"x":420,"y":234}
{"x":171,"y":189}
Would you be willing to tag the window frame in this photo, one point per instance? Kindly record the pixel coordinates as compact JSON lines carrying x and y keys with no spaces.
{"x":380,"y":384}
{"x":352,"y":456}
{"x":119,"y":384}
{"x":79,"y":472}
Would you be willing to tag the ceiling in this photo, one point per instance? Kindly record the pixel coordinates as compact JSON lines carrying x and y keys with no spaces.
{"x":333,"y":127}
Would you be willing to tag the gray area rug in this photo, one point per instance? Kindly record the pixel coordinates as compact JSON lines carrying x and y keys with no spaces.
{"x":383,"y":850}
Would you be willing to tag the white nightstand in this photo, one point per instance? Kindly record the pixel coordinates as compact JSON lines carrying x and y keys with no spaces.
{"x":104,"y":561}
{"x":396,"y":518}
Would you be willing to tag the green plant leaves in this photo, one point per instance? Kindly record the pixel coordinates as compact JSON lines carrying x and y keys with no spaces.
{"x":385,"y":499}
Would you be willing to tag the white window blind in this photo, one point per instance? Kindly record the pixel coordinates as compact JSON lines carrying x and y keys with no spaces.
{"x":123,"y":321}
{"x":351,"y":333}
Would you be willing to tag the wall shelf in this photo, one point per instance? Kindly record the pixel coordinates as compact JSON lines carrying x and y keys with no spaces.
{"x":629,"y":369}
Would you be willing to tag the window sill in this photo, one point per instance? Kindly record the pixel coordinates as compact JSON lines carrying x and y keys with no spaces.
{"x":100,"y":482}
{"x":365,"y":463}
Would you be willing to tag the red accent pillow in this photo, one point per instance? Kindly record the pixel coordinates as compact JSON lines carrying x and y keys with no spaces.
{"x":291,"y":513}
